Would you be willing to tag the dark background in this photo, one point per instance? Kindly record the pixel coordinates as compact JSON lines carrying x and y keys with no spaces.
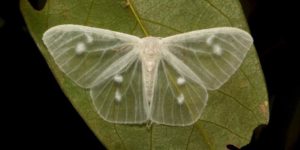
{"x":35,"y":113}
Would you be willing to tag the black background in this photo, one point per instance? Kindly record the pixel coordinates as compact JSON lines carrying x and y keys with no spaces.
{"x":35,"y":113}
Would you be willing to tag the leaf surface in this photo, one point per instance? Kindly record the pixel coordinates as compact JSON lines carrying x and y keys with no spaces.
{"x":232,"y":112}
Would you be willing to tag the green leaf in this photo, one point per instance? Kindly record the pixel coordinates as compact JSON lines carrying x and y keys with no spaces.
{"x":232,"y":112}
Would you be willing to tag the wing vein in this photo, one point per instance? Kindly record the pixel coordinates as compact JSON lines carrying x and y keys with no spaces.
{"x":209,"y":73}
{"x":66,"y":42}
{"x":67,"y":61}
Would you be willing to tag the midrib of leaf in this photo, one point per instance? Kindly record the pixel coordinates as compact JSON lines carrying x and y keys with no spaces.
{"x":204,"y":135}
{"x":134,"y":12}
{"x":89,"y":12}
{"x":157,"y":23}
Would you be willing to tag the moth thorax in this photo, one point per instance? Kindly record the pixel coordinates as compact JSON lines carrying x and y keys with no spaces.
{"x":150,"y":46}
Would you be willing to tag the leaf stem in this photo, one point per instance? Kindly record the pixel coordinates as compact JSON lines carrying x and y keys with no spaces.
{"x":137,"y":18}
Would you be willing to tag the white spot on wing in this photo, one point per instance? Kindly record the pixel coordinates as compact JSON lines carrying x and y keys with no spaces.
{"x":89,"y":38}
{"x":118,"y":78}
{"x":217,"y":50}
{"x":180,"y":99}
{"x":118,"y":95}
{"x":80,"y":48}
{"x":210,"y":39}
{"x":181,"y":81}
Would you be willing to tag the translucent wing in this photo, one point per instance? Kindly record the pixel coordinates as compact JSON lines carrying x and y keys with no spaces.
{"x":89,"y":55}
{"x":208,"y":57}
{"x":120,"y":99}
{"x":104,"y":61}
{"x":191,"y":63}
{"x":178,"y":101}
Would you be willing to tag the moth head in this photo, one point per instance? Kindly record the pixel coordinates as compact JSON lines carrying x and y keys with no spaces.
{"x":150,"y":45}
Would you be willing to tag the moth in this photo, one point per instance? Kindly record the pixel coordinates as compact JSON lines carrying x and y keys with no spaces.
{"x":135,"y":80}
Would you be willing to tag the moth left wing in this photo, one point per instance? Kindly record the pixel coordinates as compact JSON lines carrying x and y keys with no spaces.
{"x":213,"y":55}
{"x":120,"y":98}
{"x":192,"y":63}
{"x":89,"y":55}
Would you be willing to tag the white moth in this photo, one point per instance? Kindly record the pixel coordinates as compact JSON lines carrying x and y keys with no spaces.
{"x":136,"y":80}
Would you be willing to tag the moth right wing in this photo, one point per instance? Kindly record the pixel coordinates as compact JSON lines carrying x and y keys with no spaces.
{"x":107,"y":63}
{"x":89,"y":55}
